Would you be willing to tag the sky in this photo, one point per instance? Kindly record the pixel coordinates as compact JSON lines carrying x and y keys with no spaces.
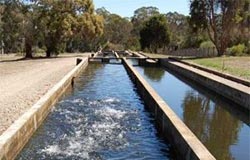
{"x":126,"y":8}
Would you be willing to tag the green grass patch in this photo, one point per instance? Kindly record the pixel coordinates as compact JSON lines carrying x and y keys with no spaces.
{"x":237,"y":66}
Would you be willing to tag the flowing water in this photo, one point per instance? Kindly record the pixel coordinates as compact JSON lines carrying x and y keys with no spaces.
{"x":221,"y":125}
{"x":102,"y":117}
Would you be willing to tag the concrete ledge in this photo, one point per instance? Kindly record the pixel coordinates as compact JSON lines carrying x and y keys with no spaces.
{"x":96,"y":54}
{"x":116,"y":54}
{"x":236,"y":92}
{"x":224,"y":75}
{"x":137,"y":54}
{"x":176,"y":132}
{"x":18,"y":134}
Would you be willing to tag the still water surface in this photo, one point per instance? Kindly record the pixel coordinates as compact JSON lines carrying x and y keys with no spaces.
{"x":219,"y":124}
{"x":101,"y":118}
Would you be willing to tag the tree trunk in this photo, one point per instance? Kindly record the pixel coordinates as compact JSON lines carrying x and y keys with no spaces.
{"x":48,"y":53}
{"x":221,"y":46}
{"x":221,"y":50}
{"x":2,"y":47}
{"x":28,"y":50}
{"x":155,"y":50}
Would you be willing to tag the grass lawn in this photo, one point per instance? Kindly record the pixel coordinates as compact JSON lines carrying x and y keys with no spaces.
{"x":237,"y":66}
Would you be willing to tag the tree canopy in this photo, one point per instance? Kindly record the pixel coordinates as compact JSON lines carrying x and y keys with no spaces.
{"x":64,"y":21}
{"x":217,"y":17}
{"x":155,"y":33}
{"x":53,"y":22}
{"x":117,"y":30}
{"x":53,"y":27}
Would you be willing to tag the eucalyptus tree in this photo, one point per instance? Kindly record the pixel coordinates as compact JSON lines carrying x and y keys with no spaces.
{"x":1,"y":27}
{"x":31,"y":28}
{"x":178,"y":25}
{"x":217,"y":17}
{"x":11,"y":21}
{"x":141,"y":15}
{"x":117,"y":30}
{"x":62,"y":21}
{"x":241,"y":32}
{"x":51,"y":23}
{"x":155,"y":33}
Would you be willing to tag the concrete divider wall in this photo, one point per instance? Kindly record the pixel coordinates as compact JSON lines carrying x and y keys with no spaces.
{"x":18,"y":134}
{"x":240,"y":95}
{"x":175,"y":131}
{"x":224,"y":75}
{"x":137,"y":54}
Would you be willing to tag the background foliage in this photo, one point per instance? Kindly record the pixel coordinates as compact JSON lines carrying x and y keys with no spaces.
{"x":75,"y":26}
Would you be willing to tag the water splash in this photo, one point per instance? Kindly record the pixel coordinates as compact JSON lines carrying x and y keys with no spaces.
{"x":98,"y":122}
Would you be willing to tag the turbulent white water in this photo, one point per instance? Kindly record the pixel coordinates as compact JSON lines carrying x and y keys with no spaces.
{"x":99,"y":120}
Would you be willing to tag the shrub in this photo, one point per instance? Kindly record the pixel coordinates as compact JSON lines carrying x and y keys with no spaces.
{"x":207,"y":44}
{"x":37,"y":52}
{"x":237,"y":50}
{"x":112,"y":46}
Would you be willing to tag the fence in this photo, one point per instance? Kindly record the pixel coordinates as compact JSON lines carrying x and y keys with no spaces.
{"x":194,"y":52}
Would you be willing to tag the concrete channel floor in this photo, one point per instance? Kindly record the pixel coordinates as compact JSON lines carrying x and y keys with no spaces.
{"x":22,"y":83}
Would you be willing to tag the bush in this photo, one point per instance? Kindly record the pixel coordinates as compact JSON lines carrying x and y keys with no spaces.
{"x":207,"y":44}
{"x":247,"y":49}
{"x":237,"y":50}
{"x":112,"y":46}
{"x":38,"y":51}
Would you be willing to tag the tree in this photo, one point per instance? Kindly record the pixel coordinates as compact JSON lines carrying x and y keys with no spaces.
{"x":53,"y":24}
{"x":178,"y":25}
{"x":241,"y":32}
{"x":142,"y":15}
{"x":11,"y":20}
{"x":31,"y":28}
{"x":117,"y":30}
{"x":18,"y":28}
{"x":62,"y":21}
{"x":155,"y":34}
{"x":1,"y":28}
{"x":217,"y":17}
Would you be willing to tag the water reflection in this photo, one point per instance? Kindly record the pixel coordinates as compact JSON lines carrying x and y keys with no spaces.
{"x":154,"y":73}
{"x":215,"y":128}
{"x":220,"y":124}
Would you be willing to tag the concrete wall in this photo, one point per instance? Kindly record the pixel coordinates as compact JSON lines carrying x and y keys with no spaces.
{"x":236,"y":92}
{"x":18,"y":134}
{"x":224,"y":75}
{"x":175,"y":131}
{"x":137,"y":54}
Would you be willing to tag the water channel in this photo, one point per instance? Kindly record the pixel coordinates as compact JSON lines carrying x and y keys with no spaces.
{"x":101,"y":117}
{"x":220,"y":125}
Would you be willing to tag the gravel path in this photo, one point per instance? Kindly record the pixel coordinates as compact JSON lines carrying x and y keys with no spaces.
{"x":22,"y":83}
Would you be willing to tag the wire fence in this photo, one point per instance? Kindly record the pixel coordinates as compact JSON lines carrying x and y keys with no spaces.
{"x":195,"y":52}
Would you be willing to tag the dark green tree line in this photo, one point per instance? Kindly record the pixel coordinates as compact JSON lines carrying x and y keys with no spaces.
{"x":155,"y":33}
{"x":117,"y":30}
{"x":73,"y":26}
{"x":48,"y":23}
